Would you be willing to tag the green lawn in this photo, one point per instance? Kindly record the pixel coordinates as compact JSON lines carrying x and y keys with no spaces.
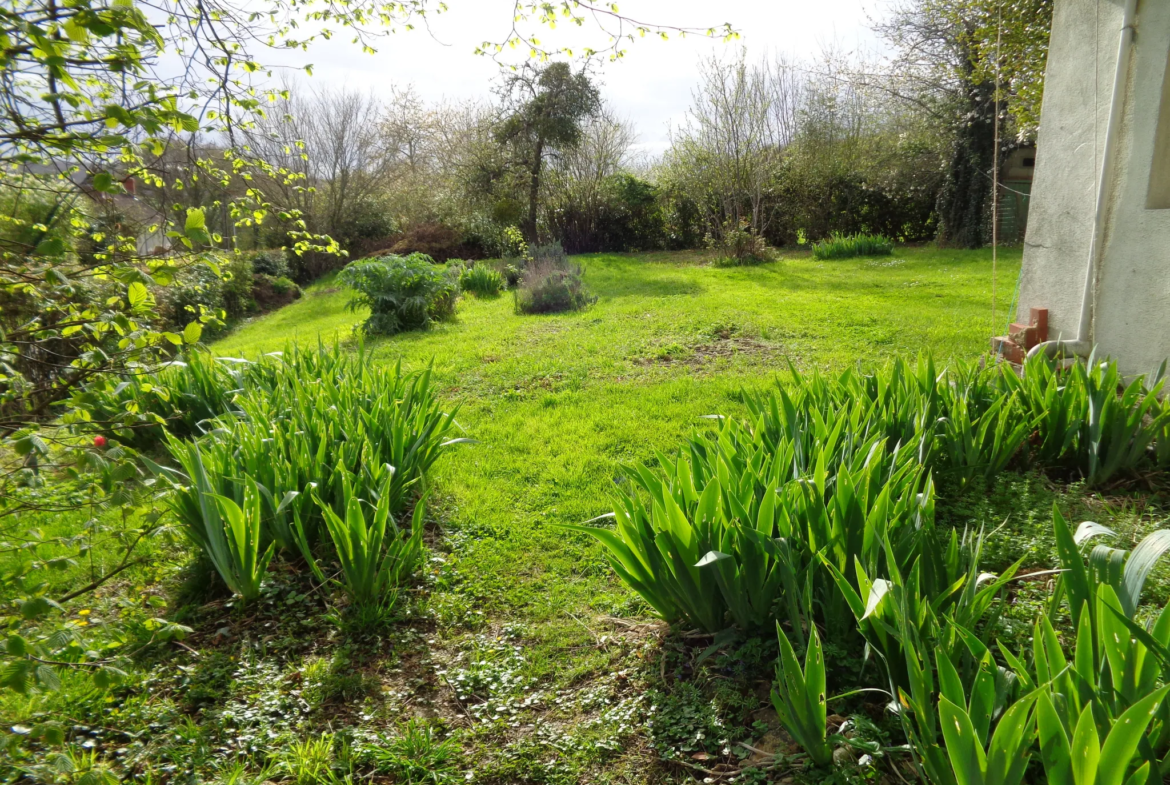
{"x":560,"y":403}
{"x":571,"y":680}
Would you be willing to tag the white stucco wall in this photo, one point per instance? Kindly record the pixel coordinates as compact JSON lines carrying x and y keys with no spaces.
{"x":1131,"y":309}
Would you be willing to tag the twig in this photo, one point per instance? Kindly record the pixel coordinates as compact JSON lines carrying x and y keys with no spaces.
{"x":99,"y":581}
{"x":455,"y":695}
{"x":596,"y":637}
{"x":898,"y":774}
{"x":708,"y":772}
{"x":182,"y":645}
{"x":757,"y":751}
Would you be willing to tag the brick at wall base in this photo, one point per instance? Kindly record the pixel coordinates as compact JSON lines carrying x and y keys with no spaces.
{"x":1005,"y":347}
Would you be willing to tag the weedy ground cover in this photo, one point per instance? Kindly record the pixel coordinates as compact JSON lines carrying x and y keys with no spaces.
{"x":517,"y":655}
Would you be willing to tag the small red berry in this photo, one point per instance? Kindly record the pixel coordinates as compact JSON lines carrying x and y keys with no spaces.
{"x":99,"y":441}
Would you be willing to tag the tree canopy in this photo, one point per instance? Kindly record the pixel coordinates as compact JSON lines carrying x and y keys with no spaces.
{"x":546,"y":108}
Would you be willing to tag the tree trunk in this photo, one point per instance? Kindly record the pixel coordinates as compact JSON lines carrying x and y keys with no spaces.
{"x":964,"y":201}
{"x":534,"y":191}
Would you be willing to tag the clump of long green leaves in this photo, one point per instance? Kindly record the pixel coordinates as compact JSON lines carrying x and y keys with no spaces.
{"x":1088,"y":419}
{"x":374,"y":553}
{"x":229,"y":529}
{"x":817,"y":510}
{"x":305,"y":419}
{"x":846,"y":246}
{"x":800,"y":698}
{"x":482,"y":280}
{"x":1097,"y":715}
{"x":181,"y":398}
{"x":734,"y":524}
{"x":970,"y":423}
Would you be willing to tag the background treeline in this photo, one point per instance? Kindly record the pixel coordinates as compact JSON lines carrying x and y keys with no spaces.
{"x":783,"y":150}
{"x":797,"y":151}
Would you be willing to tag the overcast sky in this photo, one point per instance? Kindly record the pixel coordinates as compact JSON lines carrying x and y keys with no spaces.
{"x":651,"y":85}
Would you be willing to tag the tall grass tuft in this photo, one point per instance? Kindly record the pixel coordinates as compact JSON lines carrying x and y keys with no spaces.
{"x":229,"y":529}
{"x":181,"y":398}
{"x":847,"y":246}
{"x":482,"y":280}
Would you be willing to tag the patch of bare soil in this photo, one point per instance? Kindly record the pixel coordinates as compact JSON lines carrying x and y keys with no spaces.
{"x":703,"y":354}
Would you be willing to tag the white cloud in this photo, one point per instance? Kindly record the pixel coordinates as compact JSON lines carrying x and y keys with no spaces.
{"x":651,"y":85}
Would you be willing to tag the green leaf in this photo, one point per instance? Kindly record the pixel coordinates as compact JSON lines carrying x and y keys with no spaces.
{"x":35,"y":607}
{"x":963,"y":747}
{"x":1086,"y":749}
{"x":1008,"y":757}
{"x":192,"y":332}
{"x":51,"y":246}
{"x":17,"y":676}
{"x":137,"y":295}
{"x":1124,"y":737}
{"x":16,"y":646}
{"x":50,"y":733}
{"x":1141,"y":776}
{"x":195,"y":220}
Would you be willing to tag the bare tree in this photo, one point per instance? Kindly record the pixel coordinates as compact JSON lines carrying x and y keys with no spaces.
{"x":332,"y":139}
{"x":729,"y":144}
{"x":578,"y":188}
{"x":407,"y":126}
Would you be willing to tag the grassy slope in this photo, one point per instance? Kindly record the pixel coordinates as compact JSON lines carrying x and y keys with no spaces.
{"x":560,"y":402}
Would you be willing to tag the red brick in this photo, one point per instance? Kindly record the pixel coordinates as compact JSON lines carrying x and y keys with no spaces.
{"x":1008,"y":349}
{"x":1029,"y":332}
{"x":1039,"y":318}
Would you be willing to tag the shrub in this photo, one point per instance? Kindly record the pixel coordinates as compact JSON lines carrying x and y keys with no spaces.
{"x":436,"y":241}
{"x":198,"y":290}
{"x":271,"y":293}
{"x":511,"y":269}
{"x":402,"y":293}
{"x":551,"y":284}
{"x":550,"y":253}
{"x":841,"y":246}
{"x":511,"y":244}
{"x":271,"y":262}
{"x":308,"y":266}
{"x":739,"y":244}
{"x":619,"y":213}
{"x":237,"y":287}
{"x":482,"y":280}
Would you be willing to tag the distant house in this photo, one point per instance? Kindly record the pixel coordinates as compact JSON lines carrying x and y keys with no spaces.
{"x":135,"y":216}
{"x":146,"y":223}
{"x":1097,"y":248}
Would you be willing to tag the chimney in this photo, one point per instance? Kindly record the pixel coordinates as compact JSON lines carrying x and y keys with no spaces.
{"x":128,"y":184}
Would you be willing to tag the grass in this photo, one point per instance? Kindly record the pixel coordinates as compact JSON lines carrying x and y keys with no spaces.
{"x":526,"y":658}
